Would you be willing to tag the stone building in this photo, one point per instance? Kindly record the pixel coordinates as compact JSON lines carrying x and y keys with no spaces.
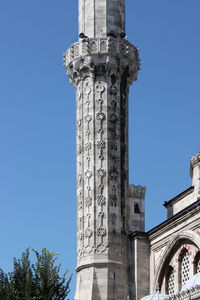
{"x":173,"y":247}
{"x":116,"y":258}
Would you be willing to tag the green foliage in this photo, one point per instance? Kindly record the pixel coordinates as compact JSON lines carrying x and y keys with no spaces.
{"x":38,"y":281}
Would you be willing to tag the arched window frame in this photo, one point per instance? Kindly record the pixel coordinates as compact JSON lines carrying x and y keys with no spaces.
{"x":172,"y":255}
{"x":197,"y":263}
{"x":184,"y":263}
{"x":170,"y":281}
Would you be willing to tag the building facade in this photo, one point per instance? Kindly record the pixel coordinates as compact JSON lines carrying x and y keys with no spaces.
{"x":116,"y":258}
{"x":174,"y":245}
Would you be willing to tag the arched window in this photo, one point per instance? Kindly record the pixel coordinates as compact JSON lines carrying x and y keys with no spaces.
{"x":184,"y":267}
{"x":197,"y":263}
{"x":170,"y":283}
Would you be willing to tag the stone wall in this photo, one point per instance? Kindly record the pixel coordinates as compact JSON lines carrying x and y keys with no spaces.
{"x":139,"y":266}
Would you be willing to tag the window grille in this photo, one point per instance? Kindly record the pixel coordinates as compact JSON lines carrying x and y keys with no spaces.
{"x":198,"y":265}
{"x":185,"y":267}
{"x":171,"y":282}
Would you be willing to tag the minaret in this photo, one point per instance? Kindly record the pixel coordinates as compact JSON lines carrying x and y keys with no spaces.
{"x":101,"y":66}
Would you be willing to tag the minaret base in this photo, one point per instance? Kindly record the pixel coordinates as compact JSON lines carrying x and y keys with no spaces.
{"x":102,"y":283}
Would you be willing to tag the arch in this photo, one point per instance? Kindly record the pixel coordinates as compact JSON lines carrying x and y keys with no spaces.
{"x":185,"y":235}
{"x":183,"y":266}
{"x":93,"y":46}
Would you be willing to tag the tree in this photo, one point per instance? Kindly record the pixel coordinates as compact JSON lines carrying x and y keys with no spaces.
{"x":37,"y":281}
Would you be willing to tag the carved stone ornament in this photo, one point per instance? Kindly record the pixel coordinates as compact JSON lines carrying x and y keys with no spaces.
{"x":87,"y":132}
{"x":99,"y":100}
{"x":88,"y":174}
{"x":80,"y":59}
{"x":80,"y":204}
{"x":112,"y":46}
{"x":88,"y":201}
{"x":101,"y":200}
{"x":79,"y":252}
{"x":101,"y":144}
{"x":93,"y":46}
{"x":88,"y":118}
{"x":113,"y":173}
{"x":101,"y":249}
{"x":114,"y":117}
{"x":76,"y":50}
{"x":113,"y":90}
{"x":113,"y":145}
{"x":100,"y":131}
{"x":101,"y":231}
{"x":101,"y":172}
{"x":79,"y":149}
{"x":122,"y":49}
{"x":88,"y":146}
{"x":113,"y":200}
{"x":100,"y":116}
{"x":80,"y":236}
{"x":88,"y":232}
{"x":87,"y":90}
{"x":195,"y":160}
{"x":85,"y":48}
{"x":103,"y":46}
{"x":80,"y":178}
{"x":100,"y":88}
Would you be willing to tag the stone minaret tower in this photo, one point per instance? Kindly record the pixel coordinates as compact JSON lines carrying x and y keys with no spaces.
{"x":101,"y":66}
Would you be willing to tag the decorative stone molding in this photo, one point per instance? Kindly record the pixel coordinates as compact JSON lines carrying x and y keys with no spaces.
{"x":195,"y":160}
{"x":116,"y":47}
{"x":96,"y":54}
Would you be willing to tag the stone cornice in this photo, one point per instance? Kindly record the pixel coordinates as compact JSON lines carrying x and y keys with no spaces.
{"x":193,"y":162}
{"x":179,"y":197}
{"x":177,"y":218}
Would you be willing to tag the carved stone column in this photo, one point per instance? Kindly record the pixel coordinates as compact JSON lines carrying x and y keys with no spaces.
{"x":101,"y":66}
{"x":102,"y":70}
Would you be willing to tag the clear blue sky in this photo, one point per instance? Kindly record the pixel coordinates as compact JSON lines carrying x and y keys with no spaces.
{"x":37,"y":117}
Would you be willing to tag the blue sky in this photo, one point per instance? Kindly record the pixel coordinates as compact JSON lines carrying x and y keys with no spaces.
{"x":37,"y":117}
